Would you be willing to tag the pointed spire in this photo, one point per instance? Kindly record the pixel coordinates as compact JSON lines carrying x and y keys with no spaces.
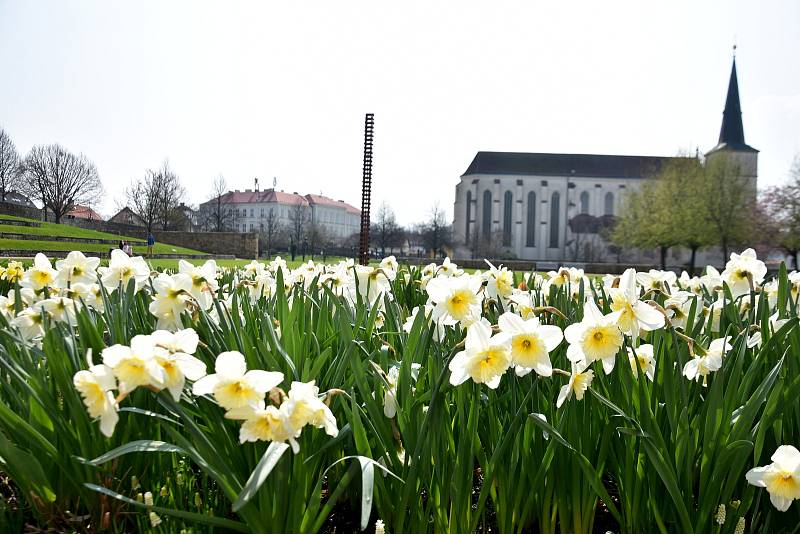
{"x":732,"y":131}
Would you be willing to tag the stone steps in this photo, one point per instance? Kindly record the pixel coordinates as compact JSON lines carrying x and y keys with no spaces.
{"x":14,"y":222}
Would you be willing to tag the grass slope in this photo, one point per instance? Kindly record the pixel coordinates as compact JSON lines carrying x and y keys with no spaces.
{"x":48,"y":230}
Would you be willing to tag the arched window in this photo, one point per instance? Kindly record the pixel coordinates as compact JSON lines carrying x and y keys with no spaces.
{"x":469,"y":215}
{"x":585,"y":202}
{"x":609,"y":204}
{"x":530,"y":228}
{"x":508,"y":204}
{"x":555,"y":202}
{"x":486,"y":218}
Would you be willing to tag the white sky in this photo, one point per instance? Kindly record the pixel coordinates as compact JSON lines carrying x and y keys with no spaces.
{"x":280,"y":89}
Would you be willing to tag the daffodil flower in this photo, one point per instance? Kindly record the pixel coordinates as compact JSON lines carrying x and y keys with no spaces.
{"x":781,"y":478}
{"x":706,"y":363}
{"x":531,"y":343}
{"x":95,"y":387}
{"x":122,"y":268}
{"x":596,"y":337}
{"x":136,"y":365}
{"x":264,"y":423}
{"x":173,"y":352}
{"x":41,"y":275}
{"x":635,"y":315}
{"x":304,"y":407}
{"x":579,"y":381}
{"x":644,"y":358}
{"x":76,"y":268}
{"x":742,"y":270}
{"x":456,"y":299}
{"x":204,"y":283}
{"x":171,"y":299}
{"x":232,"y":385}
{"x":484,"y":359}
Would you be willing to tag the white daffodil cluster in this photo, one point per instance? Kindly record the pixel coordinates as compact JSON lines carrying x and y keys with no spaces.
{"x":162,"y":360}
{"x":242,"y":394}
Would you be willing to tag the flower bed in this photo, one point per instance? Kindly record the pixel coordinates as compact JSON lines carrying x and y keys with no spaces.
{"x":399,"y":399}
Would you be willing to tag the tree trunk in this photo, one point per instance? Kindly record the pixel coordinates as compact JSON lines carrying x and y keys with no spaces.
{"x":664,"y":257}
{"x":692,"y":259}
{"x":724,"y":251}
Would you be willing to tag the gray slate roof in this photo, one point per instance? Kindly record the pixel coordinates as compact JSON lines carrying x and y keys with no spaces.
{"x":586,"y":165}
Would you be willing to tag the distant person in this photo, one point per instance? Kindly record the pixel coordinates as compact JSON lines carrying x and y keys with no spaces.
{"x":126,"y":248}
{"x":151,"y":241}
{"x":121,"y":244}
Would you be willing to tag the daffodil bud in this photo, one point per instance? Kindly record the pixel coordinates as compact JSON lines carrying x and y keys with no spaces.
{"x":148,"y":499}
{"x":198,"y":501}
{"x":140,"y":497}
{"x":134,"y":483}
{"x":164,"y":491}
{"x":740,"y":525}
{"x":154,"y":519}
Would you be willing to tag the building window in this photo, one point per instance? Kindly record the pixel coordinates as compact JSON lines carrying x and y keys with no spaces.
{"x":585,"y":202}
{"x":469,"y":215}
{"x":609,"y":204}
{"x":486,"y":219}
{"x":252,"y":212}
{"x":530,"y":230}
{"x":508,"y":203}
{"x":555,"y":202}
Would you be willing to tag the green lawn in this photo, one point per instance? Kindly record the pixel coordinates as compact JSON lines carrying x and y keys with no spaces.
{"x":48,"y":230}
{"x":66,"y":246}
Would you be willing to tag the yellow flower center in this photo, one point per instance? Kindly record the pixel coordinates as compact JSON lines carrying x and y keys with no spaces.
{"x":601,"y":342}
{"x":458,"y":303}
{"x":235,"y":394}
{"x":526,"y":349}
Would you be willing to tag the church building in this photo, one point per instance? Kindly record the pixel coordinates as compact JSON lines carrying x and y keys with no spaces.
{"x":553,"y":207}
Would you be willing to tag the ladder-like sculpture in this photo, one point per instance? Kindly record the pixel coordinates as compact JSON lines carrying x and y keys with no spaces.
{"x":366,"y":188}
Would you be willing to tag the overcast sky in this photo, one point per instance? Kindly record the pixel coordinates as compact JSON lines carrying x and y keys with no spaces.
{"x":279,"y":89}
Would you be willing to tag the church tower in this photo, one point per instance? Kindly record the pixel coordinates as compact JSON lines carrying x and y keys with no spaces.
{"x":731,"y":144}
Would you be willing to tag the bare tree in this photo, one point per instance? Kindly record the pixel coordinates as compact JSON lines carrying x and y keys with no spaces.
{"x":270,"y":230}
{"x":10,"y":168}
{"x":170,"y":194}
{"x":218,"y":214}
{"x":385,"y":232}
{"x":436,"y":232}
{"x":60,"y":180}
{"x":299,"y":218}
{"x":156,"y":198}
{"x":142,"y":199}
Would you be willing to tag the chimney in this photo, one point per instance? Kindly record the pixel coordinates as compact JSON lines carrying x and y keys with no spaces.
{"x":256,"y":185}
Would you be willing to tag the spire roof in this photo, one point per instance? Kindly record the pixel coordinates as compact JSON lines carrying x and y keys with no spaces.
{"x":731,"y":134}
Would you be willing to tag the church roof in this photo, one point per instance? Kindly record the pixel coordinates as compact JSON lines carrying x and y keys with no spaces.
{"x":731,"y":134}
{"x":545,"y":164}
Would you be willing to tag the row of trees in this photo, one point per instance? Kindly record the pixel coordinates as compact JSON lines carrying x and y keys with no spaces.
{"x":156,"y":199}
{"x":694,"y":204}
{"x":49,"y":174}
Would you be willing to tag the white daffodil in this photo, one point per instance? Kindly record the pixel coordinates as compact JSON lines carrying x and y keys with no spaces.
{"x":596,"y":337}
{"x":566,"y":276}
{"x":390,"y":395}
{"x":41,"y":275}
{"x":678,"y":306}
{"x":389,"y":267}
{"x":485,"y":358}
{"x":644,"y":358}
{"x":369,"y":282}
{"x":522,"y":303}
{"x":690,"y":283}
{"x":448,"y":268}
{"x":204,"y":281}
{"x":136,"y":365}
{"x":304,"y":407}
{"x":658,"y":280}
{"x":171,"y":299}
{"x":264,"y":423}
{"x":456,"y":299}
{"x":704,"y":364}
{"x":173,"y":352}
{"x":635,"y":315}
{"x":76,"y":268}
{"x":579,"y":381}
{"x":742,"y":270}
{"x":95,"y":387}
{"x":7,"y":307}
{"x":499,"y":282}
{"x":781,"y":478}
{"x":61,"y":309}
{"x":531,"y":343}
{"x":122,"y":268}
{"x":30,"y":323}
{"x":232,"y":385}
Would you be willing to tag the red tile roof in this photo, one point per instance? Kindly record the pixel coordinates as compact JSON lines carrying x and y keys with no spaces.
{"x":84,"y":212}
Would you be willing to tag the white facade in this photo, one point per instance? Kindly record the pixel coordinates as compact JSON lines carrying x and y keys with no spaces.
{"x":251,"y":212}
